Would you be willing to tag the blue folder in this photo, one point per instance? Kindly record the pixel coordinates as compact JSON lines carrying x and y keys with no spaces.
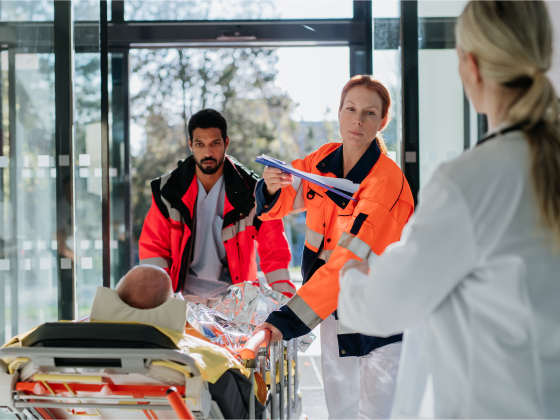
{"x":275,"y":163}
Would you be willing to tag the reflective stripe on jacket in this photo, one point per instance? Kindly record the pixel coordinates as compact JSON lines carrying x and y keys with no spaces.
{"x":337,"y":230}
{"x":168,"y":227}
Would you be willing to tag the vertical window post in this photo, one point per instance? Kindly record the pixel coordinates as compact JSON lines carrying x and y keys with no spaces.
{"x":64,"y":132}
{"x":410,"y":94}
{"x":105,"y":189}
{"x":361,"y":61}
{"x":14,"y":313}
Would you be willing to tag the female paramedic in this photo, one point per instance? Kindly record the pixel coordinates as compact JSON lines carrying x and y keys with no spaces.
{"x":475,"y":281}
{"x":359,"y":372}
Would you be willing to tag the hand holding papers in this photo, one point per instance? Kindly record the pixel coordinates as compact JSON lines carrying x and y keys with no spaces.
{"x":330,"y":184}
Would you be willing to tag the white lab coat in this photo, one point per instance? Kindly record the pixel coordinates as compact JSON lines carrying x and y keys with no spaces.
{"x":476,"y":287}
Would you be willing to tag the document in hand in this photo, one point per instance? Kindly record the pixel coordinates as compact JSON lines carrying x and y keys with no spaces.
{"x":330,"y":184}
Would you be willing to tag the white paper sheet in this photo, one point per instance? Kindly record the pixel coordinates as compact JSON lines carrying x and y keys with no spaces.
{"x":340,"y":183}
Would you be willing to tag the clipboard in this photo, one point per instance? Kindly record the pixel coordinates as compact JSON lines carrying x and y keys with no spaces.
{"x":275,"y":163}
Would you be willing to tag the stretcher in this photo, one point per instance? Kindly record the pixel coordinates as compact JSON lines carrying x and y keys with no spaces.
{"x":133,"y":371}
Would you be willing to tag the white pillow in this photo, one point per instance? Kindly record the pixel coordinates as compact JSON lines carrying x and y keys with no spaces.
{"x":108,"y":306}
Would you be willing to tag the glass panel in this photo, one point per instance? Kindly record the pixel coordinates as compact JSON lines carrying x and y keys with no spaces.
{"x":88,"y":10}
{"x":120,"y":235}
{"x":237,"y":9}
{"x":87,"y":170}
{"x":387,"y":67}
{"x":35,"y":10}
{"x":271,"y":107}
{"x":442,"y":8}
{"x":36,"y":190}
{"x":28,"y":239}
{"x":386,"y":9}
{"x":441,"y":110}
{"x":448,"y":122}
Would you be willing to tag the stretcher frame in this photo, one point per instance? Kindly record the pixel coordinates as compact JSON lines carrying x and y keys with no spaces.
{"x":34,"y":399}
{"x":257,"y":354}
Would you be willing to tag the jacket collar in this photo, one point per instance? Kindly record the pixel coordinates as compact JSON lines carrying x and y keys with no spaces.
{"x":333,"y":163}
{"x":239,"y":190}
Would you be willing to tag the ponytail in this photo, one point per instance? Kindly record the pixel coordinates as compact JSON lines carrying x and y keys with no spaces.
{"x":538,"y":109}
{"x":512,"y":42}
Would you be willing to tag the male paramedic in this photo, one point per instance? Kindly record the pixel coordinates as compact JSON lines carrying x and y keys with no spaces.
{"x":202,"y":228}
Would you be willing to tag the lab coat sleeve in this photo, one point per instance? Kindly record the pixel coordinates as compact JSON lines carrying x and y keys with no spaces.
{"x":413,"y":276}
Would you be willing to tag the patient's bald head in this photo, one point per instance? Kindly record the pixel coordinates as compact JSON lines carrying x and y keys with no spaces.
{"x":145,"y":287}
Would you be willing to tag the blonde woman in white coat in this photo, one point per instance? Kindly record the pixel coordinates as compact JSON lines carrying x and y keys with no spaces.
{"x":475,"y":279}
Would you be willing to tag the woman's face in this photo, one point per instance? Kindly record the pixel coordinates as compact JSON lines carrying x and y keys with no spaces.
{"x":360,"y":116}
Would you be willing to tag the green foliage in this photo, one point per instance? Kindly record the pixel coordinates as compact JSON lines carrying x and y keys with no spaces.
{"x":178,"y":83}
{"x":199,"y":10}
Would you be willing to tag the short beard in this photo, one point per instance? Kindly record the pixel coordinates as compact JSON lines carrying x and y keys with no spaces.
{"x":210,"y":171}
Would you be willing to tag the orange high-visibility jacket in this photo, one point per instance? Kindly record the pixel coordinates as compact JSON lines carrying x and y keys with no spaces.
{"x":166,"y":234}
{"x":337,"y":230}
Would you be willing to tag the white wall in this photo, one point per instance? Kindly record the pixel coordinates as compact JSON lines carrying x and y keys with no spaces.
{"x":441,"y":110}
{"x":554,"y":11}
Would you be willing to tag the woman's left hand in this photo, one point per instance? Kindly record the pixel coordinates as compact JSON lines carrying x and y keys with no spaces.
{"x":362,"y":266}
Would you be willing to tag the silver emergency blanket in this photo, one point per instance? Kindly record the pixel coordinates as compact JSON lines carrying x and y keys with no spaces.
{"x":305,"y":341}
{"x":217,"y":328}
{"x":246,"y":304}
{"x":231,"y":321}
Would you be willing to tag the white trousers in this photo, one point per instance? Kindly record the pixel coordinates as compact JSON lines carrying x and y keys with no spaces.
{"x":357,"y":387}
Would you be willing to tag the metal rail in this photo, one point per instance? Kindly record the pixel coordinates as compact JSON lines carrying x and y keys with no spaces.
{"x":140,"y":407}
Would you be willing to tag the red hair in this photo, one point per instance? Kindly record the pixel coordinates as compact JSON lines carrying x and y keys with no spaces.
{"x":378,"y":87}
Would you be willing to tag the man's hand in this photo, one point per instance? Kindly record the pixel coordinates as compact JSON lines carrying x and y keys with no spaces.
{"x":276,"y":334}
{"x":360,"y":265}
{"x":276,"y":179}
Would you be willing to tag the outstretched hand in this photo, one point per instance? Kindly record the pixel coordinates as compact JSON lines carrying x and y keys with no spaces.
{"x":276,"y":334}
{"x":275,"y":179}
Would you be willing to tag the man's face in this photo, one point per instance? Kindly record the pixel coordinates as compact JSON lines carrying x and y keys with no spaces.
{"x":209,"y":149}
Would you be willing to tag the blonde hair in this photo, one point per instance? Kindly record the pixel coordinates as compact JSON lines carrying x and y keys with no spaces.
{"x":512,"y":43}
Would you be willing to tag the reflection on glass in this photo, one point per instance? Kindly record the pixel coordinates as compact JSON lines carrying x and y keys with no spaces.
{"x":19,"y":11}
{"x":387,"y":69}
{"x":29,"y":192}
{"x":441,"y":110}
{"x":441,"y":8}
{"x":87,"y":179}
{"x":237,"y":9}
{"x":120,"y":237}
{"x":271,"y":107}
{"x":386,"y":9}
{"x":86,"y":10}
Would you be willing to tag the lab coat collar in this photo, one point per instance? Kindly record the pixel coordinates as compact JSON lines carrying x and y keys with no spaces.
{"x":500,"y":130}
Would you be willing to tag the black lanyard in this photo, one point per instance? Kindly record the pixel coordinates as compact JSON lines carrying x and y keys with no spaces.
{"x":484,"y":139}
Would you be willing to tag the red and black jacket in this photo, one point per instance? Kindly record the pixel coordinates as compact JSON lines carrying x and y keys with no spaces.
{"x":167,"y":232}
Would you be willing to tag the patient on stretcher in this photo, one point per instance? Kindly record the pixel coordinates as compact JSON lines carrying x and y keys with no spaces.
{"x":145,"y":287}
{"x":145,"y":296}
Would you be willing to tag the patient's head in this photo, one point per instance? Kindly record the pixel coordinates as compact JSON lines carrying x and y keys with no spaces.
{"x":145,"y":287}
